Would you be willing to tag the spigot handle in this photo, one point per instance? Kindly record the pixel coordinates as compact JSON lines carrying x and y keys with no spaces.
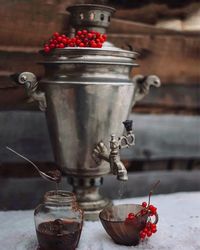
{"x":127,"y":139}
{"x":128,"y":124}
{"x":29,"y":80}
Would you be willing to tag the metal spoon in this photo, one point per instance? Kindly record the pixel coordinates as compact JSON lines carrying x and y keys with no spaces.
{"x":55,"y":173}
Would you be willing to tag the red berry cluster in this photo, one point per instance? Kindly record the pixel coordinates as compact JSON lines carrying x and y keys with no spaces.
{"x":150,"y":209}
{"x":83,"y":38}
{"x":150,"y":227}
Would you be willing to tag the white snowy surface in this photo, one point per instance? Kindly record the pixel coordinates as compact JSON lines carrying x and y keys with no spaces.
{"x":178,"y":227}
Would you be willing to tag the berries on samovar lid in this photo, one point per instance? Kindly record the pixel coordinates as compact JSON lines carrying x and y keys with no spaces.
{"x":83,"y":38}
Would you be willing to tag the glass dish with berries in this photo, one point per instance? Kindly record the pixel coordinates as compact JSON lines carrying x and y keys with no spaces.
{"x":128,"y":224}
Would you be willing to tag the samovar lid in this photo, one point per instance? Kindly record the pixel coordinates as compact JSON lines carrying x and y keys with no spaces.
{"x":106,"y":55}
{"x":91,"y":17}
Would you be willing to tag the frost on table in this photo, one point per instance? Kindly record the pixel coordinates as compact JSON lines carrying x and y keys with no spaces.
{"x":178,"y":227}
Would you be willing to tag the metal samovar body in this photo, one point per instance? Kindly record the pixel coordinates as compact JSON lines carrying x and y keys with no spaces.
{"x":87,"y":94}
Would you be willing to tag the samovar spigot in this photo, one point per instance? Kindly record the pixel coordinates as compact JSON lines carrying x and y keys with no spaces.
{"x":101,"y":152}
{"x":116,"y":165}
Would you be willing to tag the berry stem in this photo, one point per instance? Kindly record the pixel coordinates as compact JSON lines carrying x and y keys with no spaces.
{"x":152,"y":190}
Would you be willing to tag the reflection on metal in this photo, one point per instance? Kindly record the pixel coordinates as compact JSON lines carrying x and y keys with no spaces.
{"x":89,"y":92}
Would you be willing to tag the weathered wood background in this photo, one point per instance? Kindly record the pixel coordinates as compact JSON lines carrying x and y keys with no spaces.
{"x":173,"y":55}
{"x":167,"y":36}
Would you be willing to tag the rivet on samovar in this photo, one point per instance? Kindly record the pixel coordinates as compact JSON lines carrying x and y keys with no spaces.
{"x":87,"y":93}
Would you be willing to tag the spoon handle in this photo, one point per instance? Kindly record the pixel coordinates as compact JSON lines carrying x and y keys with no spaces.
{"x":23,"y":157}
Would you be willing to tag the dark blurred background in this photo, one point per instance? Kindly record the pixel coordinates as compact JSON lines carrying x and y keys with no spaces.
{"x":166,"y":122}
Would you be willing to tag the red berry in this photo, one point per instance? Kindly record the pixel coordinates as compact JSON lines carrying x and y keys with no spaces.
{"x":46,"y":45}
{"x":81,"y":45}
{"x":84,"y":32}
{"x":51,"y":40}
{"x":57,"y":45}
{"x":59,"y":38}
{"x":144,"y":204}
{"x":93,"y":45}
{"x":104,"y":36}
{"x":153,"y":230}
{"x":152,"y":209}
{"x":78,"y":41}
{"x":86,"y":40}
{"x":142,"y":235}
{"x":145,"y":230}
{"x":61,"y":45}
{"x":52,"y":45}
{"x":90,"y":35}
{"x":131,"y":216}
{"x":149,"y":233}
{"x":63,"y":36}
{"x":99,"y":45}
{"x":101,"y":39}
{"x":71,"y":44}
{"x":98,"y":34}
{"x":46,"y":49}
{"x":55,"y":34}
{"x":64,"y":40}
{"x":73,"y":40}
{"x":55,"y":41}
{"x":97,"y":40}
{"x":79,"y":32}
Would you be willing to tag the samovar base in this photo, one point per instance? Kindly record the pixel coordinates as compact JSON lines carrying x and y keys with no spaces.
{"x":93,"y":215}
{"x":88,"y":196}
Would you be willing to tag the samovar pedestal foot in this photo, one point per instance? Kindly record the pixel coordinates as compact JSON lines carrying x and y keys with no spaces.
{"x":88,"y":196}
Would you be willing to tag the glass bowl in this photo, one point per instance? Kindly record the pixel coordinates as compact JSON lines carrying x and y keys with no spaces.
{"x":122,"y":231}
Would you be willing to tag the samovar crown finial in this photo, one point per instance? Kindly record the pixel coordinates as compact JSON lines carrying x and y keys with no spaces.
{"x":90,"y":16}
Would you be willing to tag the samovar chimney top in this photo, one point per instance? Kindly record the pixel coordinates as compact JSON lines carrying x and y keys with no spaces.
{"x":90,"y":16}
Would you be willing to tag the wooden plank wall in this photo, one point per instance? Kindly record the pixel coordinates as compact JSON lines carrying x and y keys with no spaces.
{"x":173,"y":55}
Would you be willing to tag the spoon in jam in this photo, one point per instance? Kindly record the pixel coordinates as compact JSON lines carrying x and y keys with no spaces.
{"x":52,"y":175}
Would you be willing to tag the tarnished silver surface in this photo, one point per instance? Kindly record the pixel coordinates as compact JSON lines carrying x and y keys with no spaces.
{"x":89,"y":92}
{"x":79,"y":116}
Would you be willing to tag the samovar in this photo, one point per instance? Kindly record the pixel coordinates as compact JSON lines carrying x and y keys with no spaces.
{"x":87,"y":93}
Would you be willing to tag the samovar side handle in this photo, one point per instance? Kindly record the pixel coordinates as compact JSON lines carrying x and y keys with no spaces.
{"x":142,"y":85}
{"x":30,"y":82}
